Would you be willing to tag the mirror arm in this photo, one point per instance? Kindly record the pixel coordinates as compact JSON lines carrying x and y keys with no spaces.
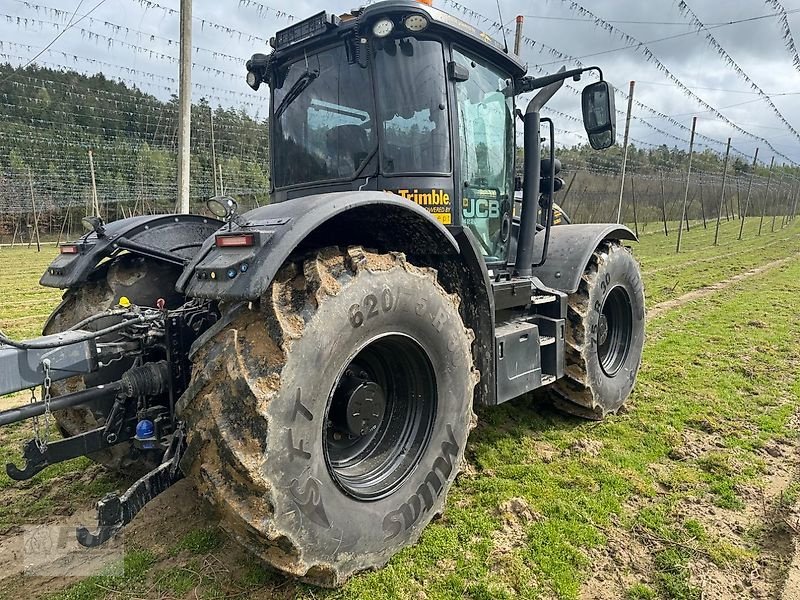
{"x":529,"y":83}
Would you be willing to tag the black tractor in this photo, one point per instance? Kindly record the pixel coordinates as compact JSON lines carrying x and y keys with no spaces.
{"x":312,"y":365}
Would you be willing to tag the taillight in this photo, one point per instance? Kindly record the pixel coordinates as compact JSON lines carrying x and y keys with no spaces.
{"x":238,"y":240}
{"x":69,"y":249}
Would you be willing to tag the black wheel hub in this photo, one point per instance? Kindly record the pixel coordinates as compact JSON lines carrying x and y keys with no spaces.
{"x":614,"y":330}
{"x":380,"y":417}
{"x":363,"y":403}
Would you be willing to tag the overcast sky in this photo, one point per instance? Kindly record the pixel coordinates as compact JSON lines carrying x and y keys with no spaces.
{"x":756,"y":46}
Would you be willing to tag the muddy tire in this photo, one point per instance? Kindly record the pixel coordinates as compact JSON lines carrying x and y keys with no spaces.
{"x":328,"y":421}
{"x":142,"y":281}
{"x":604,"y":335}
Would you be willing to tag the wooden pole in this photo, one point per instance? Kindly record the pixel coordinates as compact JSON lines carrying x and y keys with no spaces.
{"x":789,"y":196}
{"x":14,"y":237}
{"x":775,"y":204}
{"x":747,"y":198}
{"x":213,"y":151}
{"x":95,"y":203}
{"x":633,"y":197}
{"x":664,"y":206}
{"x":703,"y":206}
{"x":563,"y":199}
{"x":686,"y":193}
{"x":35,"y":216}
{"x":766,"y":195}
{"x":64,"y":224}
{"x":722,"y":193}
{"x":221,"y":183}
{"x":184,"y":106}
{"x":625,"y":150}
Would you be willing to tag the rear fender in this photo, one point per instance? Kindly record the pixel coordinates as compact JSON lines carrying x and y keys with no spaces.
{"x":376,"y":220}
{"x":170,"y":238}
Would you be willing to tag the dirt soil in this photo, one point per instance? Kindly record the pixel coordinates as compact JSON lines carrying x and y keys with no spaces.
{"x":768,"y":527}
{"x":159,"y":525}
{"x":702,"y":292}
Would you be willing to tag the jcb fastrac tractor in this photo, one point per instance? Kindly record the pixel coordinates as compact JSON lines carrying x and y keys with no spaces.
{"x":312,"y":365}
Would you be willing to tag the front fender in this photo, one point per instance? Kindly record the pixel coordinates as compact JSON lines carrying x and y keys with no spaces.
{"x":373,"y":219}
{"x":170,"y":238}
{"x":569,"y":251}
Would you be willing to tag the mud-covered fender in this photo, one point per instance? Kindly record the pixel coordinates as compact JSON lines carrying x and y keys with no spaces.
{"x":569,"y":251}
{"x":372,"y":219}
{"x":169,"y":238}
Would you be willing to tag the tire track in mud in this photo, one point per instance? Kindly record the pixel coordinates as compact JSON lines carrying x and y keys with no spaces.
{"x":668,"y":305}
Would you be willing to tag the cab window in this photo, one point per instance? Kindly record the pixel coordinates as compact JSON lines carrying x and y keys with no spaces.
{"x":412,"y":106}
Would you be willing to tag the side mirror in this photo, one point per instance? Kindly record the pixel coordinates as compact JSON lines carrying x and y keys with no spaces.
{"x":599,"y":115}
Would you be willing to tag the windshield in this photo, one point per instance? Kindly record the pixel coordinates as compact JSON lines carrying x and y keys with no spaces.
{"x":325,"y":127}
{"x":325,"y":118}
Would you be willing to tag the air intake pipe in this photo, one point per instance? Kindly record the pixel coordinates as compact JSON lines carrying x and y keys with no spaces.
{"x":523,"y":264}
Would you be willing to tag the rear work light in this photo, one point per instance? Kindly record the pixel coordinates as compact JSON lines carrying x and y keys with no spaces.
{"x":238,"y":240}
{"x":69,"y":249}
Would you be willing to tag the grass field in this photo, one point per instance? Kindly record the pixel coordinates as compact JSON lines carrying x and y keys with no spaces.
{"x":691,"y":492}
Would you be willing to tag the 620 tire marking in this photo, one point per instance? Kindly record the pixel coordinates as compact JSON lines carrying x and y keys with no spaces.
{"x":371,"y":306}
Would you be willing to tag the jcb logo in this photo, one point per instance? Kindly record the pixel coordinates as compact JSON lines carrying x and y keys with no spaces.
{"x":481,"y":208}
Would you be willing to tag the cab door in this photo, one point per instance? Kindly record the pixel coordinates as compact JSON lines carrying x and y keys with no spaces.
{"x":486,"y":153}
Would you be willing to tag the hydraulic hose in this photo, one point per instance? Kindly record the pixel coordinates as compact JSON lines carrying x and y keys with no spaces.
{"x":88,"y":335}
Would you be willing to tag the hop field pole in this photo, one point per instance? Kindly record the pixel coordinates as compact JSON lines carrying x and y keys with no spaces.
{"x":625,"y":150}
{"x":747,"y":198}
{"x":789,"y":194}
{"x":64,"y":224}
{"x":766,"y":195}
{"x":702,"y":205}
{"x":775,"y":203}
{"x":686,"y":193}
{"x":35,"y":216}
{"x":790,"y":201}
{"x":95,"y":203}
{"x":664,"y":206}
{"x":569,"y":187}
{"x":633,"y":198}
{"x":213,"y":151}
{"x":722,"y":193}
{"x":185,"y":106}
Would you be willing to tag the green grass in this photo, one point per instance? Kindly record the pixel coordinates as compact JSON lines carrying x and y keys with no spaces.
{"x":723,"y":369}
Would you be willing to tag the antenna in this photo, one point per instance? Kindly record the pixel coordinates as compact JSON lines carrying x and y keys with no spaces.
{"x":502,"y":26}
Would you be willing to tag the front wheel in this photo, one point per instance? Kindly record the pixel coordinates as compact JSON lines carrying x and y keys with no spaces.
{"x":328,"y":421}
{"x":604,"y":335}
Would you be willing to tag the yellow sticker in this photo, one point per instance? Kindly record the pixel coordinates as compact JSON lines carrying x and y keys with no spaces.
{"x":443,"y":218}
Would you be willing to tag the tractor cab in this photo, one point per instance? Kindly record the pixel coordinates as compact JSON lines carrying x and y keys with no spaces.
{"x":398,"y":97}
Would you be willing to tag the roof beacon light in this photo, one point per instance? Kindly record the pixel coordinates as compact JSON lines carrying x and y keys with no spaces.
{"x":415,"y":23}
{"x":382,"y":28}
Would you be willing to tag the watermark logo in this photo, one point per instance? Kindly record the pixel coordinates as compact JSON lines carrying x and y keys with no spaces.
{"x":54,"y":551}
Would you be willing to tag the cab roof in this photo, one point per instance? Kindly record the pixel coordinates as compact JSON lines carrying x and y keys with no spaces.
{"x":326,"y":27}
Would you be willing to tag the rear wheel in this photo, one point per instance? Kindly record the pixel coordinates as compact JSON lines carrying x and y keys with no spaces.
{"x":327,"y":422}
{"x":143,"y":281}
{"x":604,"y":335}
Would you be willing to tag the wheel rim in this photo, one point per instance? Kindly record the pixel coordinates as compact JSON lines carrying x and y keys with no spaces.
{"x":615,"y":330}
{"x":379,"y":417}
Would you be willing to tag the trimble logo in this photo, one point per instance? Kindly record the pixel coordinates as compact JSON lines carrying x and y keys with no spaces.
{"x":426,"y":198}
